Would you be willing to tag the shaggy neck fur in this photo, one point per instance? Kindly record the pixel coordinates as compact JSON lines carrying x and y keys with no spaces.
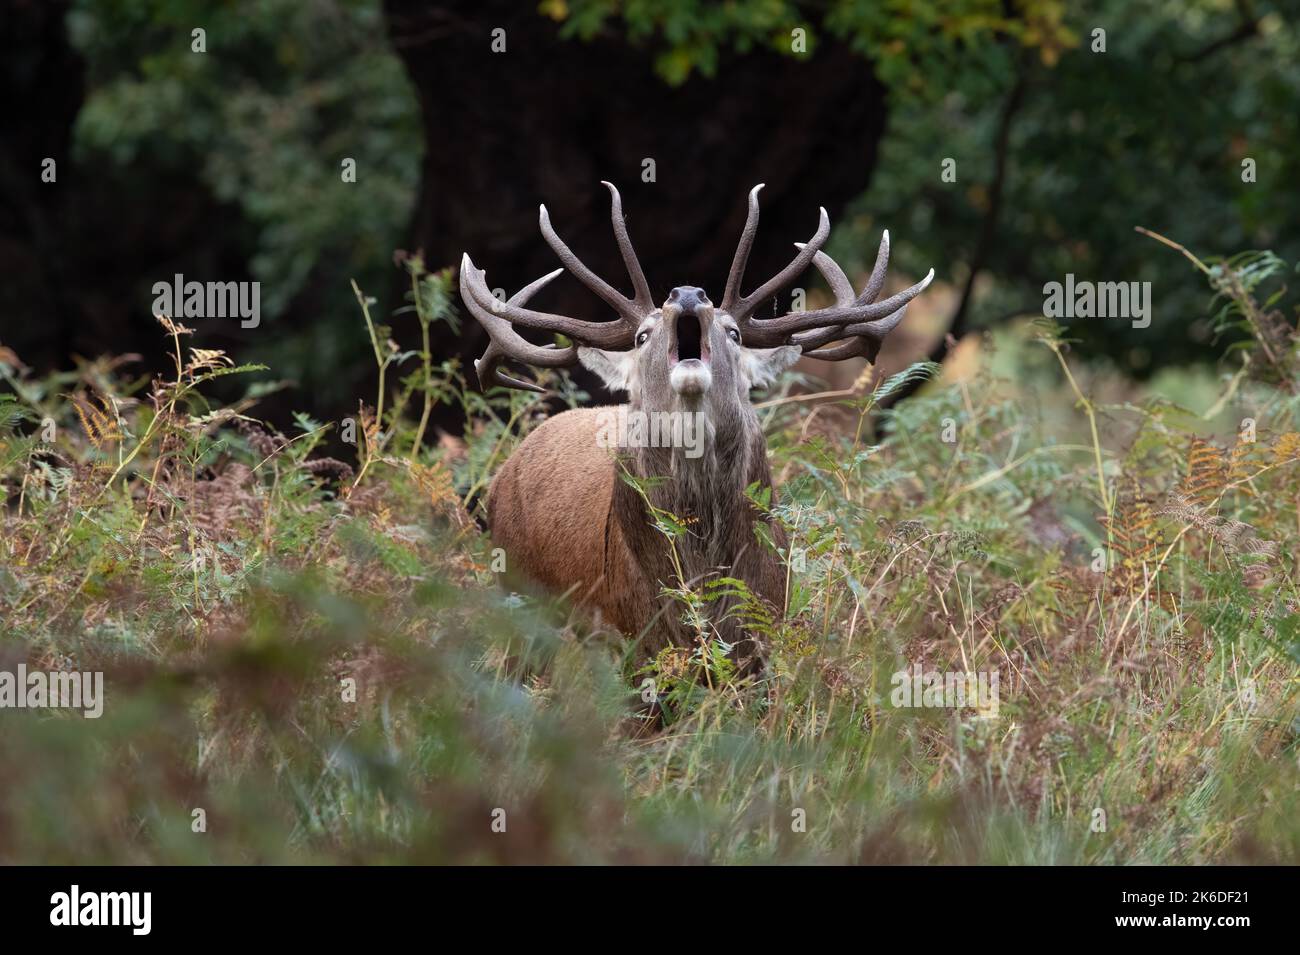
{"x":708,"y":492}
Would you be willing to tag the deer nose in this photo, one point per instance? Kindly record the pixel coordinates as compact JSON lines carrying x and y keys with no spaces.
{"x":688,"y":298}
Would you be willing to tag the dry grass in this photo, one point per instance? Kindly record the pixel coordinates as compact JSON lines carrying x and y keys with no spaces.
{"x":316,"y":654}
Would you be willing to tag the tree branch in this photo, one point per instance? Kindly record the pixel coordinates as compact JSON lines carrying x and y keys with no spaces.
{"x":1247,"y":28}
{"x":988,"y":228}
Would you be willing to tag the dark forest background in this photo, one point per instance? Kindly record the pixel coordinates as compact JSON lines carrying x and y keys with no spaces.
{"x":225,"y":165}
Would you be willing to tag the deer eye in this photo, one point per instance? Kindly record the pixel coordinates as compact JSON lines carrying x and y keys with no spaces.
{"x":642,"y":338}
{"x":734,"y":335}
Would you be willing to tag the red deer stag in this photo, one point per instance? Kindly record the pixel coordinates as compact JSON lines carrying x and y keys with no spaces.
{"x":558,"y":507}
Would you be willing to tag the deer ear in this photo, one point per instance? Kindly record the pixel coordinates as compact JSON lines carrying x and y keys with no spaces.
{"x":762,"y":365}
{"x":613,"y":367}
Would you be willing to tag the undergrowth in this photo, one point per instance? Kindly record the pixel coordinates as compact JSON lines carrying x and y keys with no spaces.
{"x":317,"y":654}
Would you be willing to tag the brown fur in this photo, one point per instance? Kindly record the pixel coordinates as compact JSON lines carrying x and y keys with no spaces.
{"x":568,"y":522}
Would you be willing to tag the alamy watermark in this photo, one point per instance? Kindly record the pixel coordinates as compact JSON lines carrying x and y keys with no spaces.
{"x":181,"y":299}
{"x":623,"y":427}
{"x":1073,"y":299}
{"x":37,"y":689}
{"x":75,"y":907}
{"x":946,"y":690}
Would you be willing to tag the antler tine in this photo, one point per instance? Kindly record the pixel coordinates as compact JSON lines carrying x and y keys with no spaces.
{"x":842,"y":289}
{"x":630,"y":311}
{"x":505,"y":341}
{"x":863,"y":338}
{"x":855,"y":311}
{"x":643,"y":300}
{"x":741,"y":258}
{"x":598,"y":334}
{"x":873,"y":320}
{"x":840,"y":285}
{"x":877,"y":280}
{"x":859,"y":320}
{"x":853,"y":348}
{"x":746,"y":306}
{"x":499,"y":318}
{"x":741,"y":307}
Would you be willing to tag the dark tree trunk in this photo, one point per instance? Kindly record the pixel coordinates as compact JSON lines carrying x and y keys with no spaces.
{"x":542,"y":122}
{"x":78,"y":256}
{"x":548,"y":119}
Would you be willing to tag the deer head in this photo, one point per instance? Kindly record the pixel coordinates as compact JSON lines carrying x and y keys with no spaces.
{"x":688,"y":353}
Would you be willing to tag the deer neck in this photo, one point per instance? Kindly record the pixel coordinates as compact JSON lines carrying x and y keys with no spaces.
{"x":704,"y":477}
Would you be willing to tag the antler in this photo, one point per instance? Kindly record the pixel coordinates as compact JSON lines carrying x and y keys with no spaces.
{"x":500,"y":318}
{"x":859,"y":318}
{"x":871,"y":321}
{"x":773,"y":331}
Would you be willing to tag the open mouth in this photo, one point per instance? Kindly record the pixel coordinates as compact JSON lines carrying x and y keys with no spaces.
{"x":690,"y":340}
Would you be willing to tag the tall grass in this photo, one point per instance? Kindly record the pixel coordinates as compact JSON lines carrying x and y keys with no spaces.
{"x":317,"y":654}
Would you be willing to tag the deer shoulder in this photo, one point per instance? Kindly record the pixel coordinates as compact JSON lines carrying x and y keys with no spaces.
{"x":549,"y":506}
